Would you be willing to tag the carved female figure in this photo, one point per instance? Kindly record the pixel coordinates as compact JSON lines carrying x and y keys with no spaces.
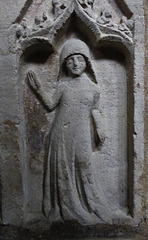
{"x":70,"y":190}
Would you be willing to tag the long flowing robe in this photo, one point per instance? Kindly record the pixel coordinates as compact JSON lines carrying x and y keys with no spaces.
{"x":70,"y":191}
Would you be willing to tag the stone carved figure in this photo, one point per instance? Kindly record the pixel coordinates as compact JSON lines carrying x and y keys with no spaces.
{"x":106,"y":19}
{"x":70,"y":188}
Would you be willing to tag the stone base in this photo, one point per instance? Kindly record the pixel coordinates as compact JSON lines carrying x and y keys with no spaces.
{"x":72,"y":231}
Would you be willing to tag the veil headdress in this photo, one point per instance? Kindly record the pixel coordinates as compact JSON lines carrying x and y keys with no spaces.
{"x":76,"y":46}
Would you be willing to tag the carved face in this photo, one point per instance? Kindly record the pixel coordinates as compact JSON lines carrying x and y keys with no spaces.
{"x":75,"y":65}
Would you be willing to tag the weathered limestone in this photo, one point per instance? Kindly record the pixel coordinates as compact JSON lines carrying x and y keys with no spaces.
{"x":72,"y":114}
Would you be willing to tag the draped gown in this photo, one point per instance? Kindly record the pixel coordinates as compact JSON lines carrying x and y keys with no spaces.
{"x":70,"y":189}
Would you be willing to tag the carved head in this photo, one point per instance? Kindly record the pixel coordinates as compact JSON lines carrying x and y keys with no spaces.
{"x":76,"y":47}
{"x":75,"y":65}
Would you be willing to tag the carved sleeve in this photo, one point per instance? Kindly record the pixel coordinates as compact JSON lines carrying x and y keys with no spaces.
{"x":96,"y":110}
{"x":96,"y":113}
{"x":50,"y":101}
{"x":96,"y":100}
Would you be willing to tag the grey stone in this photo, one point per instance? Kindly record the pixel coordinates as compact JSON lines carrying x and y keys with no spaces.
{"x":69,"y":167}
{"x":72,"y":113}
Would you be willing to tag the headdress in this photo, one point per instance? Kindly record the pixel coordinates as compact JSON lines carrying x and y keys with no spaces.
{"x":76,"y":46}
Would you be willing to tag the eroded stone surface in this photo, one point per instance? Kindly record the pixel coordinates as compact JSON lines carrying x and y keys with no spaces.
{"x":35,"y":35}
{"x":71,"y":190}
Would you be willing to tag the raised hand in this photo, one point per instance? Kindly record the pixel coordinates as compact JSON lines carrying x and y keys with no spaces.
{"x":33,"y":81}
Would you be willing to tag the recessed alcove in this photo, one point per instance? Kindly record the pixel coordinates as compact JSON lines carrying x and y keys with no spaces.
{"x":113,"y":160}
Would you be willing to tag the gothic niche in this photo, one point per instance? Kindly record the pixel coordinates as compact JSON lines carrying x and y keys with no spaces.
{"x":77,"y":117}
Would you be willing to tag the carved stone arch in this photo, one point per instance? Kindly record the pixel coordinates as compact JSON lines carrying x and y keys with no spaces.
{"x":38,"y":48}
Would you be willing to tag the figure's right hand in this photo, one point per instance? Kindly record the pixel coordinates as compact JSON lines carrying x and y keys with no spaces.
{"x":33,"y":81}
